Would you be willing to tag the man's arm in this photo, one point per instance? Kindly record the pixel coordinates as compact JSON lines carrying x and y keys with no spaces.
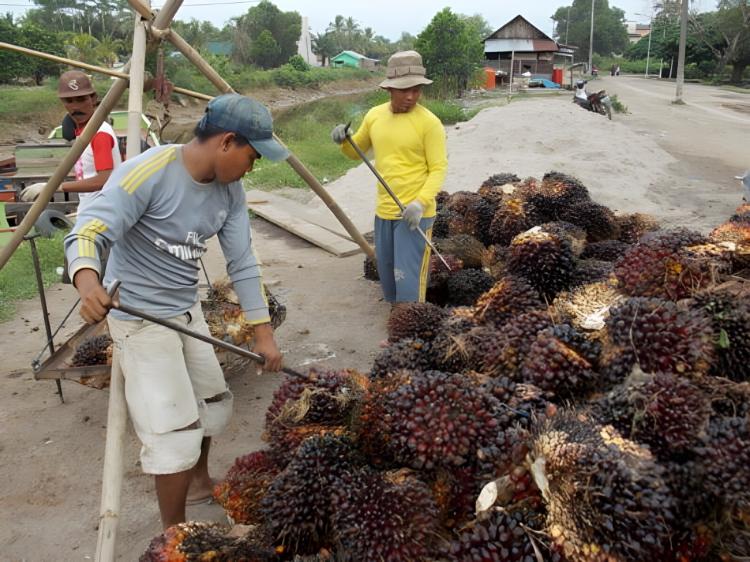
{"x":437,"y":164}
{"x":361,"y":138}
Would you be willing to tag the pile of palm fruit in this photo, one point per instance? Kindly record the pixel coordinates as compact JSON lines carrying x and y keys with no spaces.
{"x":577,"y":390}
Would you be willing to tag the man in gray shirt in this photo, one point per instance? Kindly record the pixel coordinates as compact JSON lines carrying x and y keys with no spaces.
{"x":156,"y":214}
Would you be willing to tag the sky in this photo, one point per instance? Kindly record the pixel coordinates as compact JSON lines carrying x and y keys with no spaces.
{"x":390,"y":17}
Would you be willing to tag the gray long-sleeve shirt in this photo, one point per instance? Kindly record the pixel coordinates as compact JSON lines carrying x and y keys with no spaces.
{"x":156,"y":218}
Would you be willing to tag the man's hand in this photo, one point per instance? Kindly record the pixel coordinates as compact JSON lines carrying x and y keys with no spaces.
{"x":95,"y":302}
{"x":32,"y":191}
{"x":338,"y":134}
{"x":412,"y":214}
{"x":266,"y":346}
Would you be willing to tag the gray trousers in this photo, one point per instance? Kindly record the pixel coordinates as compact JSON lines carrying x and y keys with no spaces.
{"x":403,"y":259}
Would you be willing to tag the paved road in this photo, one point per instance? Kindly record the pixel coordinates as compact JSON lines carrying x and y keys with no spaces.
{"x":710,"y":134}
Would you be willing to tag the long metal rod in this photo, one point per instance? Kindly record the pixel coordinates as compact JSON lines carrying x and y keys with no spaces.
{"x":93,"y":68}
{"x":223,"y":86}
{"x":398,"y":202}
{"x":43,"y":300}
{"x":203,"y":337}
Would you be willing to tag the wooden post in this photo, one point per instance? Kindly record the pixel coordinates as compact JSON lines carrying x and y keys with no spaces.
{"x":113,"y":467}
{"x":223,"y":86}
{"x":93,"y":68}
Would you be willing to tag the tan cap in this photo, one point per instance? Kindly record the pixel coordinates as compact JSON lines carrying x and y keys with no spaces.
{"x":405,"y":70}
{"x":74,"y":83}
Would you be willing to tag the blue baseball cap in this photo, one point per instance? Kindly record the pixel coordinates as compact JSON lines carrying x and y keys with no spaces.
{"x":248,"y":118}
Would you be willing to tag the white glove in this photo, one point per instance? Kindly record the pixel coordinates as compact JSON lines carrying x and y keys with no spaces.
{"x":412,"y":214}
{"x":32,"y":191}
{"x":338,"y":134}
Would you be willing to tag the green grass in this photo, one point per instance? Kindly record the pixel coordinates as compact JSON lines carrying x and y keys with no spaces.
{"x":17,"y":278}
{"x":306,"y":129}
{"x":617,"y":105}
{"x":736,"y":89}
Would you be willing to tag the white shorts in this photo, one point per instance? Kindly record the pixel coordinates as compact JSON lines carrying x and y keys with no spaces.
{"x":168,"y":377}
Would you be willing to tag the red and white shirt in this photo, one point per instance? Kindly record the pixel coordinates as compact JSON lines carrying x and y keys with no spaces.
{"x":102,"y":153}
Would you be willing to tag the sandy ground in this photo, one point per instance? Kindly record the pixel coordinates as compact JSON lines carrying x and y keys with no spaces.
{"x":675,"y":162}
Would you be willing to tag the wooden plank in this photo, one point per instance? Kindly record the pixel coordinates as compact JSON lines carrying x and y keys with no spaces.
{"x":279,"y":213}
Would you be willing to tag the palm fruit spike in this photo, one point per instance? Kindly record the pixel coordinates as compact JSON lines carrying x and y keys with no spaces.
{"x":567,"y":231}
{"x":92,"y":351}
{"x":606,"y":250}
{"x":503,"y":535}
{"x":203,"y":541}
{"x":430,"y":420}
{"x":598,"y":220}
{"x":499,"y":180}
{"x":587,"y":307}
{"x":516,"y":336}
{"x":725,"y":456}
{"x":513,"y":216}
{"x":546,"y":261}
{"x":606,"y":497}
{"x":554,"y":194}
{"x":387,"y":517}
{"x":243,"y":488}
{"x":408,"y":354}
{"x":283,"y":441}
{"x":659,"y":266}
{"x":414,"y":320}
{"x":730,"y":318}
{"x":465,"y":247}
{"x":371,"y":269}
{"x":509,"y":297}
{"x":663,"y":336}
{"x":588,"y":272}
{"x":298,"y":505}
{"x":633,"y":226}
{"x":665,"y":411}
{"x":467,"y":285}
{"x":561,"y":361}
{"x":450,"y":351}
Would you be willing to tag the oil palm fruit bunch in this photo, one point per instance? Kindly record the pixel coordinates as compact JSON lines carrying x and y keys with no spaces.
{"x":736,"y":229}
{"x":586,"y":307}
{"x":454,"y":491}
{"x":664,"y":336}
{"x":598,"y":221}
{"x":437,"y":282}
{"x":406,"y":354}
{"x":503,"y":535}
{"x":371,"y":269}
{"x":562,"y":361}
{"x":606,"y":497}
{"x":605,"y":250}
{"x":567,"y":231}
{"x":555,"y":194}
{"x":494,"y":260}
{"x":443,"y":218}
{"x":471,"y":214}
{"x":632,"y":226}
{"x":467,"y":285}
{"x":418,"y":320}
{"x":513,"y":216}
{"x":667,"y":412}
{"x":389,"y":517}
{"x":659,"y":266}
{"x":498,"y":180}
{"x":730,"y":320}
{"x":515,"y":338}
{"x":465,"y":247}
{"x":545,"y":260}
{"x":245,"y":485}
{"x":508,"y":297}
{"x":725,"y":459}
{"x":430,"y":420}
{"x":449,"y":350}
{"x":96,"y":350}
{"x":591,"y":271}
{"x":298,"y":505}
{"x":186,"y":542}
{"x":283,"y":441}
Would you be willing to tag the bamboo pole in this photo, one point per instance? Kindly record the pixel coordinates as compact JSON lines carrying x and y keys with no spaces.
{"x":135,"y":99}
{"x":113,"y":466}
{"x":223,"y":86}
{"x":93,"y":68}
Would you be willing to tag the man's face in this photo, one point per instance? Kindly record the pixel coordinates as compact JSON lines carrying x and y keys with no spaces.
{"x":403,"y":101}
{"x":80,"y":108}
{"x":234,"y":161}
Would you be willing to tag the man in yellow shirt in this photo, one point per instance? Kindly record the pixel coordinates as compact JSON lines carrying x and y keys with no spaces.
{"x":409,"y":145}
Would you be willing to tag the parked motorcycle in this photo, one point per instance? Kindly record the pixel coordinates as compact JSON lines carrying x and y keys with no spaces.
{"x":598,"y":102}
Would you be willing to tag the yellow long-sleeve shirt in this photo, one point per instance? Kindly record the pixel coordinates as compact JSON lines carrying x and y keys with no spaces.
{"x":409,"y":152}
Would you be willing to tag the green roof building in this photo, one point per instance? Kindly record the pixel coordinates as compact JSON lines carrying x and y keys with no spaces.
{"x":353,"y":60}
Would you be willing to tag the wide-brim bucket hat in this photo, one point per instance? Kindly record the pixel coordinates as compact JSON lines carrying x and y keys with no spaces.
{"x":404,"y":71}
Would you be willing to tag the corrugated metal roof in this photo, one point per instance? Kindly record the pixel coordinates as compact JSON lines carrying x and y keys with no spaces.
{"x":545,"y":45}
{"x":519,"y":45}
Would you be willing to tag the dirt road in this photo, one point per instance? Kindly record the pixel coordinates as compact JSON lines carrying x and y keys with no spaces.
{"x":673,"y":161}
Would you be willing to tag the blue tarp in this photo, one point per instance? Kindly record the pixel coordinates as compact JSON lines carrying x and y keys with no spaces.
{"x":544,"y":83}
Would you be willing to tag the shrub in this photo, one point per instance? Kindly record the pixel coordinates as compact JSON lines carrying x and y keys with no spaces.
{"x":298,"y":63}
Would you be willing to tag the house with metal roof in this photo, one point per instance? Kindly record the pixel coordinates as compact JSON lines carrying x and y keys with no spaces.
{"x":524,"y":47}
{"x":354,"y":60}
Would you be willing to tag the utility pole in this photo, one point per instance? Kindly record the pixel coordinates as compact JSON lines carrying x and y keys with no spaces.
{"x":681,"y":54}
{"x":591,"y":37}
{"x":567,"y":24}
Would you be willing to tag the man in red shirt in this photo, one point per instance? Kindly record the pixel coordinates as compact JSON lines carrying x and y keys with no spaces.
{"x":102,"y":154}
